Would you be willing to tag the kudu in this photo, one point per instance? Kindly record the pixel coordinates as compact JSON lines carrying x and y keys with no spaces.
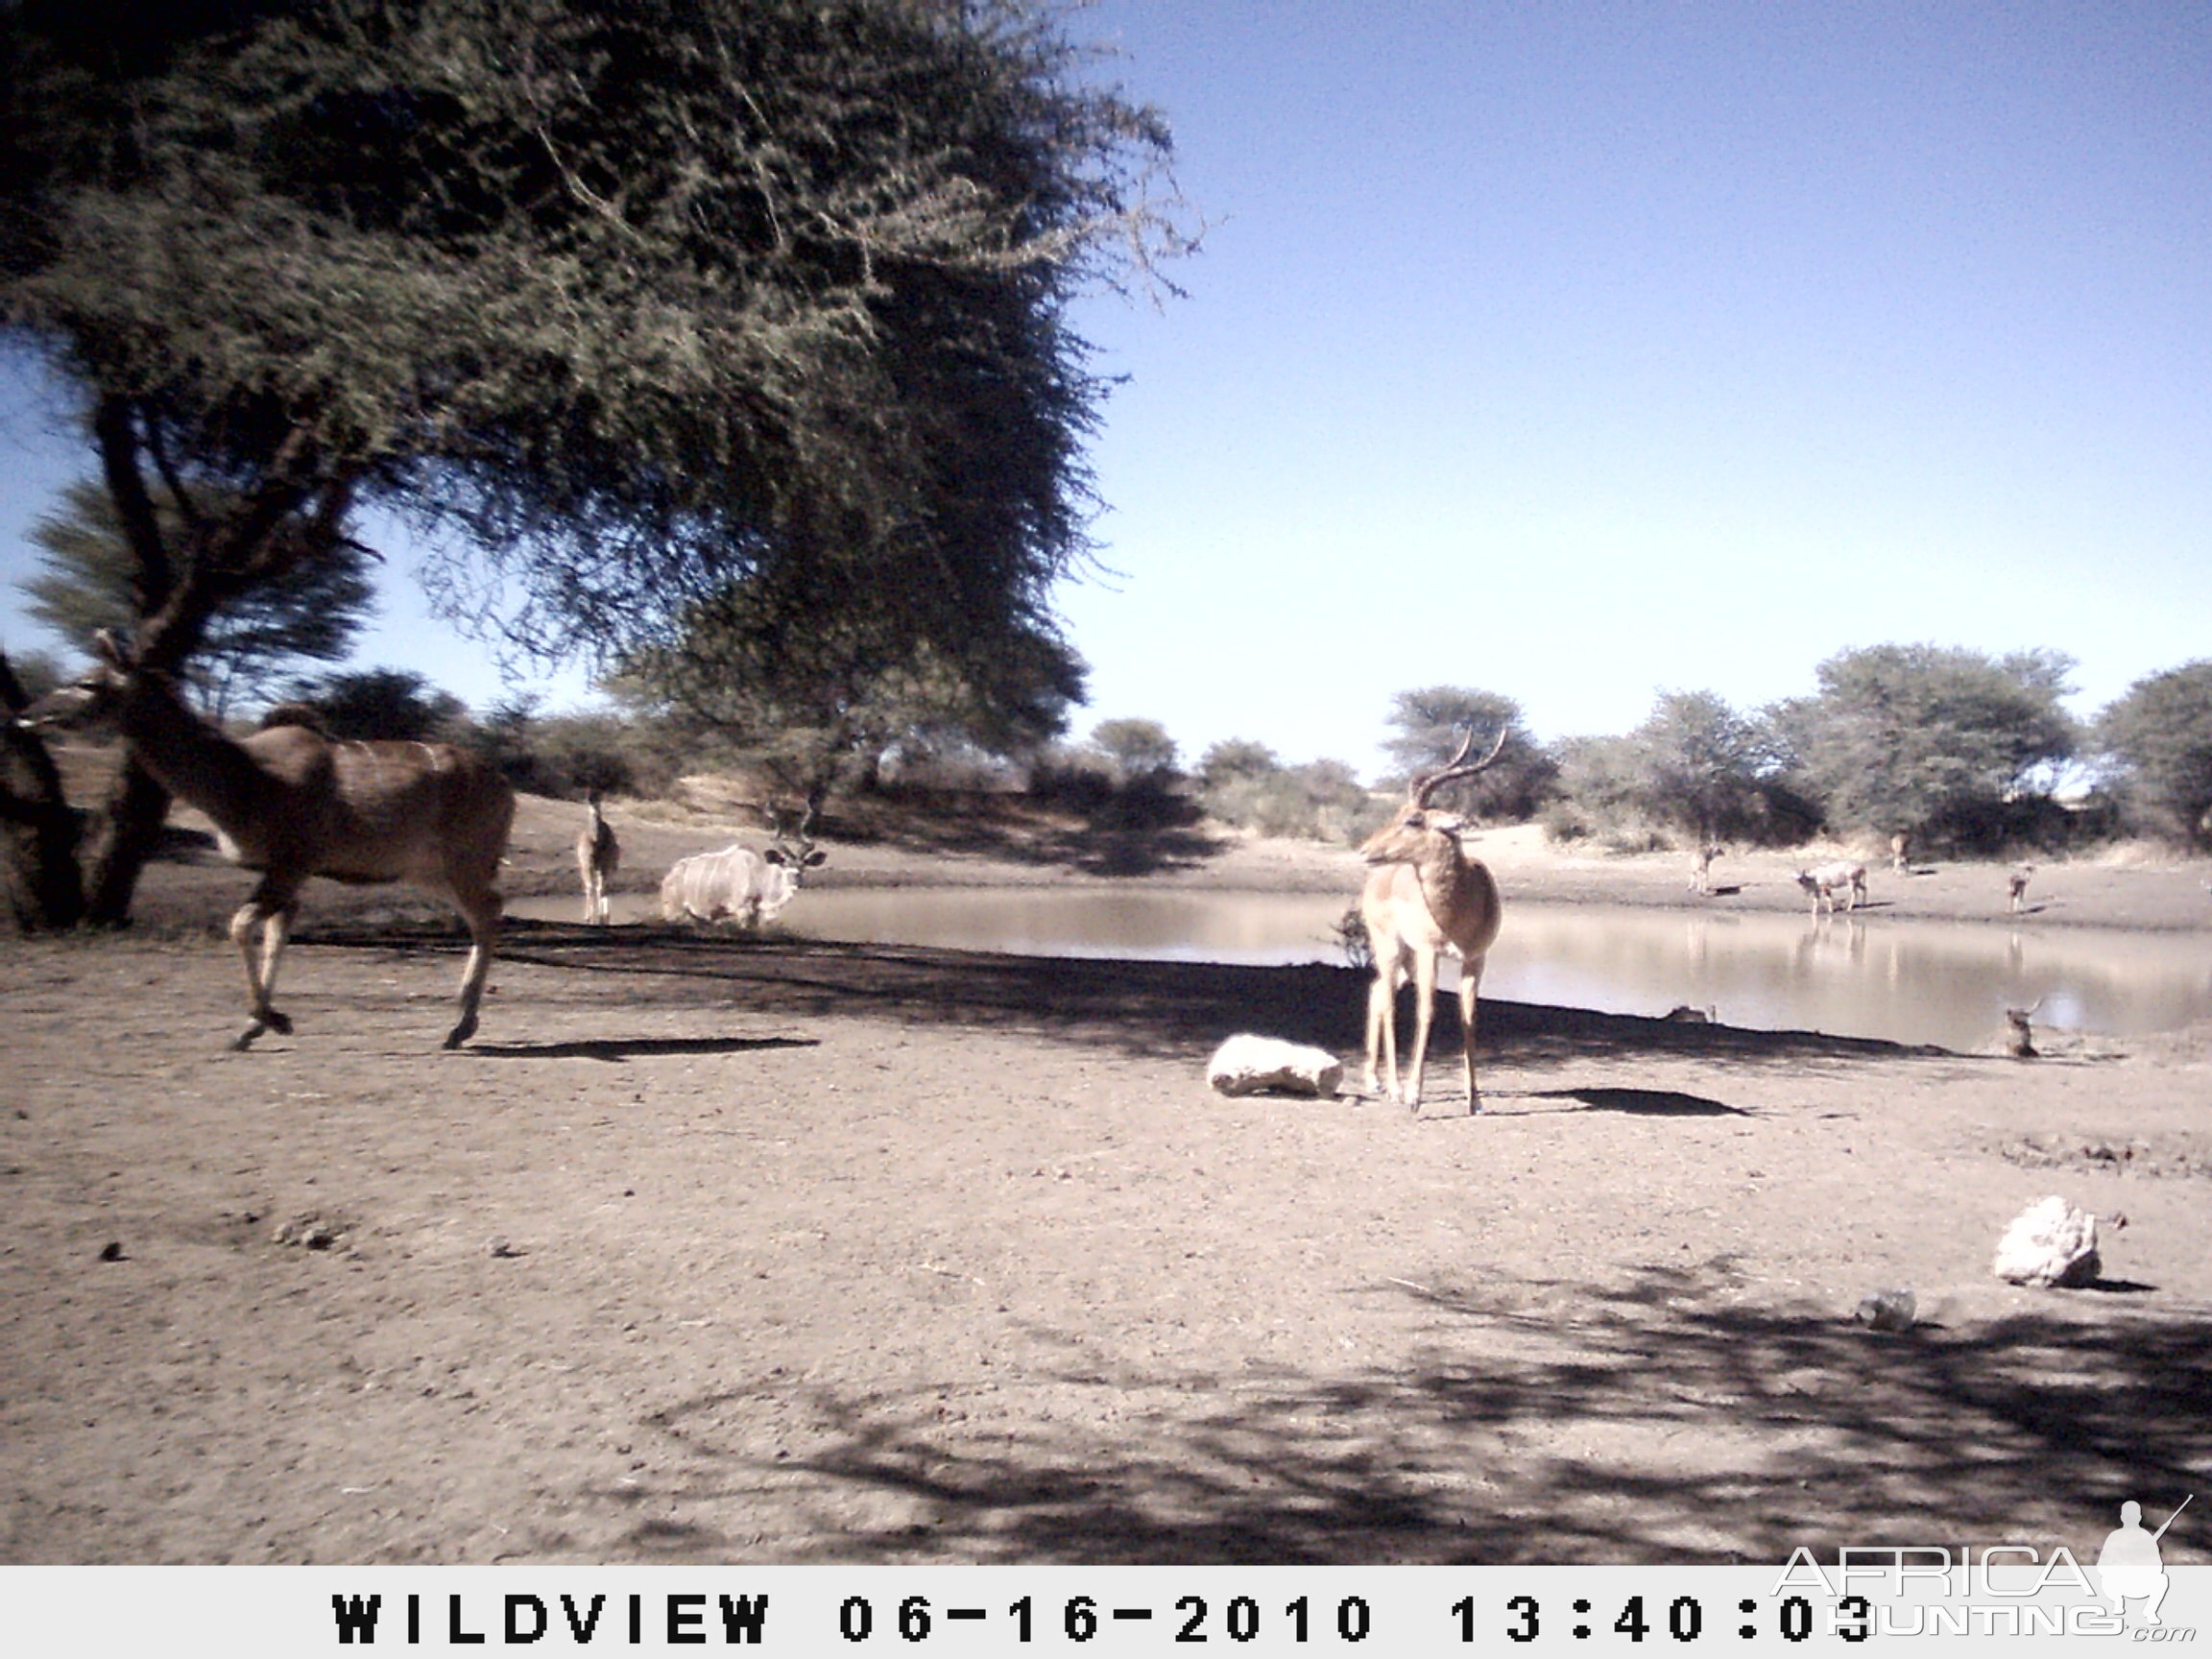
{"x":598,"y":855}
{"x":1701,"y":866}
{"x":1425,"y":895}
{"x":741,"y":886}
{"x":1823,"y":883}
{"x":291,"y":802}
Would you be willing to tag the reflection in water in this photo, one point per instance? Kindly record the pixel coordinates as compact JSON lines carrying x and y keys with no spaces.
{"x":1936,"y":982}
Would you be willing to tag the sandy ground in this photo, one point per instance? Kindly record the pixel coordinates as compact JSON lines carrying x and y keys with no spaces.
{"x":717,"y":1250}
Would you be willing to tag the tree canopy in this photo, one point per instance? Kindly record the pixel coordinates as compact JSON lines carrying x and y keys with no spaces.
{"x":1928,"y":739}
{"x":824,"y":701}
{"x":626,"y":304}
{"x":1134,"y":749}
{"x":2162,"y":734}
{"x":1429,"y":722}
{"x":310,"y":614}
{"x":1700,"y":763}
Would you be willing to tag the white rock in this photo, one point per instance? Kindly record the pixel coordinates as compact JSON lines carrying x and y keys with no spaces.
{"x":1249,"y":1065}
{"x":2050,"y":1242}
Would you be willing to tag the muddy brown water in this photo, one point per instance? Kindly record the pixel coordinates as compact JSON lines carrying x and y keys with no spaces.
{"x":1909,"y":982}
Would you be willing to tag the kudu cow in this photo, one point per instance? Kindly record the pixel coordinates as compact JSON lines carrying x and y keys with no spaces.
{"x":738,"y":885}
{"x":1426,"y":895}
{"x":292,"y":802}
{"x":1823,"y":883}
{"x":598,"y":857}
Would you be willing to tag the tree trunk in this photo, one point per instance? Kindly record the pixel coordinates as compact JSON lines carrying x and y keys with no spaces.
{"x":40,"y":832}
{"x":137,"y":808}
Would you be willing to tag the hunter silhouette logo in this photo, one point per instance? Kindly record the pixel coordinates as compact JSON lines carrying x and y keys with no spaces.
{"x":2129,"y":1567}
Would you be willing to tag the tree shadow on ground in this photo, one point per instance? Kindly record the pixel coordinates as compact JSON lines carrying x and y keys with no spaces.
{"x":1137,"y":1007}
{"x":1660,"y":1420}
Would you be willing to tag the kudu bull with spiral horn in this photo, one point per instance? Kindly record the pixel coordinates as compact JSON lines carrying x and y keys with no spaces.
{"x":1426,"y":895}
{"x":741,"y":886}
{"x":292,"y":802}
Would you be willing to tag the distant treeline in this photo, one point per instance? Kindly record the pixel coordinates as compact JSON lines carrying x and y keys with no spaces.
{"x":1956,"y":749}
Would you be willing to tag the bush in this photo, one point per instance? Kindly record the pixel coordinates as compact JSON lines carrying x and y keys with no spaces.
{"x":1320,"y":800}
{"x":2160,"y":736}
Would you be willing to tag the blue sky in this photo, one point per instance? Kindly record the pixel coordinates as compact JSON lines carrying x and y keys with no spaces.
{"x":1576,"y":351}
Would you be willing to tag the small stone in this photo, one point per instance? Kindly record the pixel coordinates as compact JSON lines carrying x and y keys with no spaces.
{"x":1887,"y":1311}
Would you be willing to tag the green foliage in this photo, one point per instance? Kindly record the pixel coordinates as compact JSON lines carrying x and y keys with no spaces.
{"x":1940,"y":742}
{"x":633,"y":300}
{"x":2160,"y":735}
{"x":1429,"y":723}
{"x":568,"y":756}
{"x":825,"y":704}
{"x":313,"y":611}
{"x":1131,"y":750}
{"x":1243,"y":783}
{"x":32,"y":674}
{"x":1598,"y":788}
{"x":1695,"y":770}
{"x":632,"y":306}
{"x":1234,"y":759}
{"x":1700,"y":763}
{"x":1320,"y":800}
{"x":394,"y":703}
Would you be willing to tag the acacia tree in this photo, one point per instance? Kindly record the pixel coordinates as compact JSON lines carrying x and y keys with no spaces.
{"x":1935,"y":741}
{"x":619,"y":301}
{"x":2162,"y":734}
{"x":1134,"y":750}
{"x":38,"y":832}
{"x":1431,"y":720}
{"x":312,"y":613}
{"x":821,"y":702}
{"x":383,"y":704}
{"x":1700,"y":763}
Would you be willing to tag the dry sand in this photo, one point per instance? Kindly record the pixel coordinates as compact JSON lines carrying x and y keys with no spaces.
{"x":716,"y":1250}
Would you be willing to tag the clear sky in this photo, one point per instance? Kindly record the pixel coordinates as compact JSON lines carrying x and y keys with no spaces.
{"x":1576,"y":351}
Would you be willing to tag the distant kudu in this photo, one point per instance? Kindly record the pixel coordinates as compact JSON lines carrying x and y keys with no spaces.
{"x":1701,"y":866}
{"x":292,"y":802}
{"x":598,"y":855}
{"x":1426,"y":895}
{"x":1824,"y":884}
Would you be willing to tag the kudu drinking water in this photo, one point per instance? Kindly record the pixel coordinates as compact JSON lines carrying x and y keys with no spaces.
{"x":292,"y":802}
{"x":1426,"y":895}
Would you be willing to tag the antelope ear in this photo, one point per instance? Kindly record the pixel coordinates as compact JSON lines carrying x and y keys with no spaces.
{"x":775,"y":855}
{"x":814,"y":858}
